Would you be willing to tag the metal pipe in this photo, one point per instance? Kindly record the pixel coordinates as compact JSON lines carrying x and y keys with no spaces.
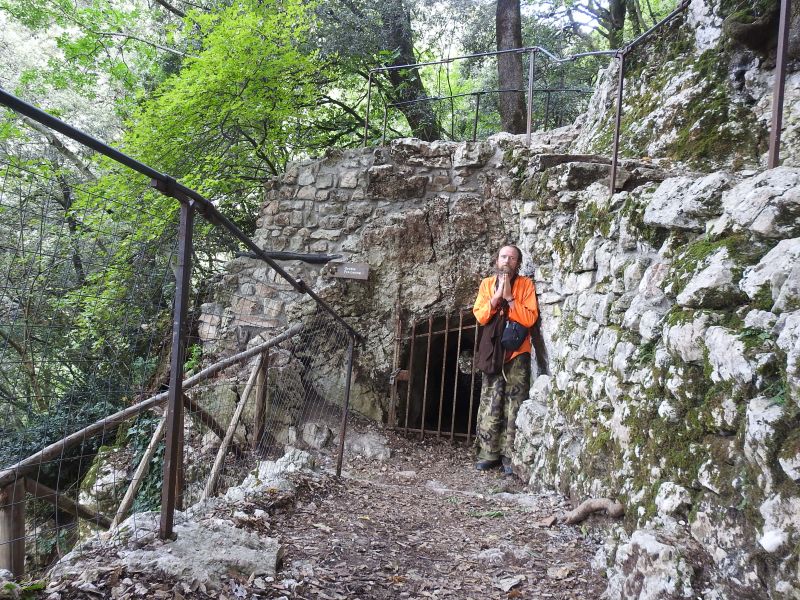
{"x":346,"y":407}
{"x":523,"y":50}
{"x":172,"y":457}
{"x":455,"y":386}
{"x":444,"y":365}
{"x":395,"y":366}
{"x":385,"y":119}
{"x":425,"y":386}
{"x":546,"y":110}
{"x":472,"y":382}
{"x":779,"y":85}
{"x":168,"y":186}
{"x":369,"y":101}
{"x":488,"y":91}
{"x":410,"y":373}
{"x":475,"y":125}
{"x":612,"y":184}
{"x":529,"y":125}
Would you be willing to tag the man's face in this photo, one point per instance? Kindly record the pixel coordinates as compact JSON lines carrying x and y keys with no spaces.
{"x":507,"y":260}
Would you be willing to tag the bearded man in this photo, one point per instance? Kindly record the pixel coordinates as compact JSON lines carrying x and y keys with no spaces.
{"x":502,"y":393}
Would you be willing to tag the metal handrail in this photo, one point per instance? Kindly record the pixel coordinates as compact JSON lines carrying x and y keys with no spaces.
{"x":531,"y":51}
{"x":168,"y":186}
{"x":190,"y":201}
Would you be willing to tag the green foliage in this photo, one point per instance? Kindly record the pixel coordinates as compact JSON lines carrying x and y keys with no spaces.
{"x":230,"y":116}
{"x":138,"y":437}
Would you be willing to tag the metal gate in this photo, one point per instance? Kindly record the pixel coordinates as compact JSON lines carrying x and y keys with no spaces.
{"x":435,"y":388}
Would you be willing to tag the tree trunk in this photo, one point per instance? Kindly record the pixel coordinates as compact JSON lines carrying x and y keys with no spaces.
{"x":406,"y":83}
{"x":616,"y":22}
{"x":508,"y":24}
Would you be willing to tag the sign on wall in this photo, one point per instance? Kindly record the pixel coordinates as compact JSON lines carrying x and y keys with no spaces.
{"x":352,"y":271}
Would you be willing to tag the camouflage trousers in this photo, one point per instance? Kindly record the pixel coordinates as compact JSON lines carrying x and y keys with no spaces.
{"x":501,"y":398}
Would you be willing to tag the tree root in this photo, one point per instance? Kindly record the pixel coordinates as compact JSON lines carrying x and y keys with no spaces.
{"x":587,"y":507}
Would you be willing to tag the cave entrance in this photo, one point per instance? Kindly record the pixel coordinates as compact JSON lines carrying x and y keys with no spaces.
{"x":435,"y":388}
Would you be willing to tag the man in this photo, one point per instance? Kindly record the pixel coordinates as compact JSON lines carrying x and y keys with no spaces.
{"x":503,"y":393}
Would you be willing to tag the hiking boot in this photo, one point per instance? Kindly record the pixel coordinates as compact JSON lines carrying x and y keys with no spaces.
{"x":506,"y":468}
{"x":487,"y":463}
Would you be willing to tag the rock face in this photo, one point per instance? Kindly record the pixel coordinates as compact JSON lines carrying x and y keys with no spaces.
{"x":671,"y":323}
{"x":708,"y":102}
{"x":671,"y":309}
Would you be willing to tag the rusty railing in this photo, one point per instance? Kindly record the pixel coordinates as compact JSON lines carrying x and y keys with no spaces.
{"x":202,"y":412}
{"x":620,"y":55}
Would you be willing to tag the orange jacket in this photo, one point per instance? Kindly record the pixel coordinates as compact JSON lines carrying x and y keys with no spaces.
{"x":524,"y":311}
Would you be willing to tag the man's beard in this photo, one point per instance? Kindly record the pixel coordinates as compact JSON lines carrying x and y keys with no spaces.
{"x":505,"y":270}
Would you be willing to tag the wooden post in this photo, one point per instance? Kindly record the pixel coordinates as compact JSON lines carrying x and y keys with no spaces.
{"x":139,"y":475}
{"x":173,"y":455}
{"x":12,"y":528}
{"x":260,"y":418}
{"x":211,"y":484}
{"x":39,"y":491}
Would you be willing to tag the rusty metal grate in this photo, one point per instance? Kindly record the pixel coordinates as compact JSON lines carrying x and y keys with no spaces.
{"x":435,"y":387}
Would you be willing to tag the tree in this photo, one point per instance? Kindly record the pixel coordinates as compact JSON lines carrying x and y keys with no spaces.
{"x":509,"y":66}
{"x":611,"y":20}
{"x":355,"y":36}
{"x":407,"y":86}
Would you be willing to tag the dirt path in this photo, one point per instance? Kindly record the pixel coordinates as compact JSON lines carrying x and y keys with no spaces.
{"x":422,"y":524}
{"x":426,"y":524}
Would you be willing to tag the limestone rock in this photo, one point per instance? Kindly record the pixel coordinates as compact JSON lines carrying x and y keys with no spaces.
{"x":686,"y":203}
{"x":317,"y":435}
{"x":271,"y":474}
{"x":530,"y":428}
{"x":789,"y":456}
{"x":207,"y":551}
{"x":762,"y":414}
{"x":778,"y":275}
{"x":652,"y":566}
{"x":472,"y":154}
{"x":767,"y":204}
{"x":726,"y":354}
{"x":781,"y":517}
{"x":650,"y":297}
{"x":686,"y":339}
{"x":789,"y":342}
{"x":672,"y":499}
{"x":370,"y":445}
{"x":713,"y":286}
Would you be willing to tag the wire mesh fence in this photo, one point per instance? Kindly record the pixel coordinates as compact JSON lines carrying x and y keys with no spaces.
{"x":90,"y":360}
{"x":464,"y":96}
{"x":84,"y":308}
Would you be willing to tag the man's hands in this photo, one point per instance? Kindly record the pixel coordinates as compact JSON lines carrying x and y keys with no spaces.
{"x":503,"y":291}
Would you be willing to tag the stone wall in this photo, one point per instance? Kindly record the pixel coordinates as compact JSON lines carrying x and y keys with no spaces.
{"x":426,"y":218}
{"x":671,"y":310}
{"x":671,"y":313}
{"x":673,"y":317}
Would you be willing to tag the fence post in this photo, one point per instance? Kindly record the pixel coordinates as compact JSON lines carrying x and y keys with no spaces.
{"x":530,"y":97}
{"x":612,"y":184}
{"x":260,"y":417}
{"x":346,"y":407}
{"x":475,"y":124}
{"x":779,"y":85}
{"x":369,"y":100}
{"x":12,"y":527}
{"x":172,"y":455}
